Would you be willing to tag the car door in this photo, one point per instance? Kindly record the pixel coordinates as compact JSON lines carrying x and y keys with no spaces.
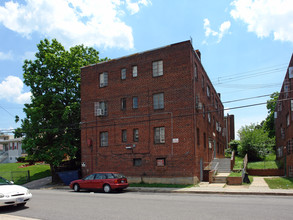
{"x":99,"y":181}
{"x":87,"y":182}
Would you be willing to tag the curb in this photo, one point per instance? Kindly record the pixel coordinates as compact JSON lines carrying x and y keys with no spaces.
{"x":179,"y":190}
{"x":209,"y":192}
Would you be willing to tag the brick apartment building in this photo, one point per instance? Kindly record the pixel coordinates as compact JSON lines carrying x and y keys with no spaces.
{"x":153,"y":116}
{"x":284,"y":121}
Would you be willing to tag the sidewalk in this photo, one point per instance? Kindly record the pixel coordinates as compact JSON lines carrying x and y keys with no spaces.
{"x":258,"y":187}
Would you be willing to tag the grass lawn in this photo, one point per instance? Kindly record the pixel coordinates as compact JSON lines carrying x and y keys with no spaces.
{"x":280,"y":183}
{"x":238,"y":163}
{"x":239,"y":174}
{"x":160,"y":185}
{"x":268,"y":163}
{"x":36,"y":172}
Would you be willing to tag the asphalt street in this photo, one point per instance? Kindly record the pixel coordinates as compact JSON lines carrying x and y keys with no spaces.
{"x":66,"y":204}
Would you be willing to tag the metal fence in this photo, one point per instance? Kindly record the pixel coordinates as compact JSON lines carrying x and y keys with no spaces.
{"x":18,"y":177}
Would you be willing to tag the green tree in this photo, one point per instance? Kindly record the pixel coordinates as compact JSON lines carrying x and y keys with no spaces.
{"x":255,"y":142}
{"x":51,"y":127}
{"x":268,"y":124}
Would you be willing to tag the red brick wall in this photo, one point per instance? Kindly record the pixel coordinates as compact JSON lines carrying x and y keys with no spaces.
{"x":179,"y":116}
{"x":284,"y":131}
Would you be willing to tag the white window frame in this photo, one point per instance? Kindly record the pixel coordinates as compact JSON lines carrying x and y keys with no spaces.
{"x":134,"y":102}
{"x":135,"y":135}
{"x":123,"y":73}
{"x":158,"y":68}
{"x":158,"y":101}
{"x":134,"y":71}
{"x":103,"y":79}
{"x":101,"y":108}
{"x":104,"y":139}
{"x":159,"y":135}
{"x":124,"y":135}
{"x":123,"y":104}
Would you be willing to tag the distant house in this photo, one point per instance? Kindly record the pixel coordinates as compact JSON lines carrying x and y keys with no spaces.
{"x":284,"y":121}
{"x":10,"y":149}
{"x":153,"y":115}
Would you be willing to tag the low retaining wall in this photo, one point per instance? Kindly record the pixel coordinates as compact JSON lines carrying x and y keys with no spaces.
{"x":174,"y":180}
{"x":234,"y":180}
{"x":265,"y":172}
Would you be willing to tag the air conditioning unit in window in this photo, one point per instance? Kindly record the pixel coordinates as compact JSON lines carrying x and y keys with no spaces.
{"x":100,"y":112}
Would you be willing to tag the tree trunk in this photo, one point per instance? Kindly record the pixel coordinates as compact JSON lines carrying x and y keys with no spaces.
{"x":55,"y":177}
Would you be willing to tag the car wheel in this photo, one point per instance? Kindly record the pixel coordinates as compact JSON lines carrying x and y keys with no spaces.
{"x":107,"y":188}
{"x":76,"y":188}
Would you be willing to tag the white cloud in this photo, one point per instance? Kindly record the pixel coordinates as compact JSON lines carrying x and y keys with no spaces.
{"x":134,"y":7}
{"x":224,"y":28}
{"x":6,"y":56}
{"x":11,"y":89}
{"x":265,"y":17}
{"x":93,"y":23}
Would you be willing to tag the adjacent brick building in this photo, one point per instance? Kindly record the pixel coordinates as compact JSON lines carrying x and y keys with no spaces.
{"x":230,"y":126}
{"x":154,"y":116}
{"x":284,"y":121}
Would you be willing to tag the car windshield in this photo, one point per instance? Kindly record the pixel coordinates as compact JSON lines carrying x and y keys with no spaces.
{"x":118,"y":175}
{"x":4,"y":181}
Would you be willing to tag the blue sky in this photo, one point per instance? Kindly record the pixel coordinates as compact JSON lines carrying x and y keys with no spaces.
{"x":246,"y":45}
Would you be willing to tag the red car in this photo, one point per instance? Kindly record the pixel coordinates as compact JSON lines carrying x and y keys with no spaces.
{"x":107,"y":181}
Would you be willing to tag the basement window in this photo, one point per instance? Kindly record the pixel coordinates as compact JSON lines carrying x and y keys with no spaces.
{"x":161,"y":162}
{"x":137,"y":162}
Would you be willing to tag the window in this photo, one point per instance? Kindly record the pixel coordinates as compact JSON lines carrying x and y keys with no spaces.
{"x":202,"y":82}
{"x":101,"y":109}
{"x":123,"y":73}
{"x":208,"y":91}
{"x":203,"y":111}
{"x":204,"y":140}
{"x":123,"y":104}
{"x":137,"y":162}
{"x":195,"y":71}
{"x":161,"y":162}
{"x":90,"y":177}
{"x":104,"y":139}
{"x":134,"y":71}
{"x":288,"y":119}
{"x":209,"y":117}
{"x":135,"y":102}
{"x":103,"y":79}
{"x":135,"y":135}
{"x":158,"y":100}
{"x":158,"y":68}
{"x":124,"y":135}
{"x":159,"y":135}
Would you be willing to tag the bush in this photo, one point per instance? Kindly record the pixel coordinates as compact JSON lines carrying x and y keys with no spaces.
{"x":21,"y":159}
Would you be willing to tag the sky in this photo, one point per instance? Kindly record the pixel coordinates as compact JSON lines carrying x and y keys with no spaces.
{"x":245,"y":45}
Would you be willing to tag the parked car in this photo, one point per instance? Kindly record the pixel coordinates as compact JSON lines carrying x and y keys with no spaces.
{"x":11,"y":194}
{"x":107,"y":181}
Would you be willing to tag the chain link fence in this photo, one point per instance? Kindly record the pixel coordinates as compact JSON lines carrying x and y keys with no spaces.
{"x":18,"y":177}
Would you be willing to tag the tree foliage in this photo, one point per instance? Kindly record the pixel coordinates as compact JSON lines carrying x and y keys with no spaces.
{"x":255,"y":142}
{"x":51,"y":127}
{"x":268,"y":124}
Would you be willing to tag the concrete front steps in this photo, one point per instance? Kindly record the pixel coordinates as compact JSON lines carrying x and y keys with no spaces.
{"x":224,"y":169}
{"x":220,"y":178}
